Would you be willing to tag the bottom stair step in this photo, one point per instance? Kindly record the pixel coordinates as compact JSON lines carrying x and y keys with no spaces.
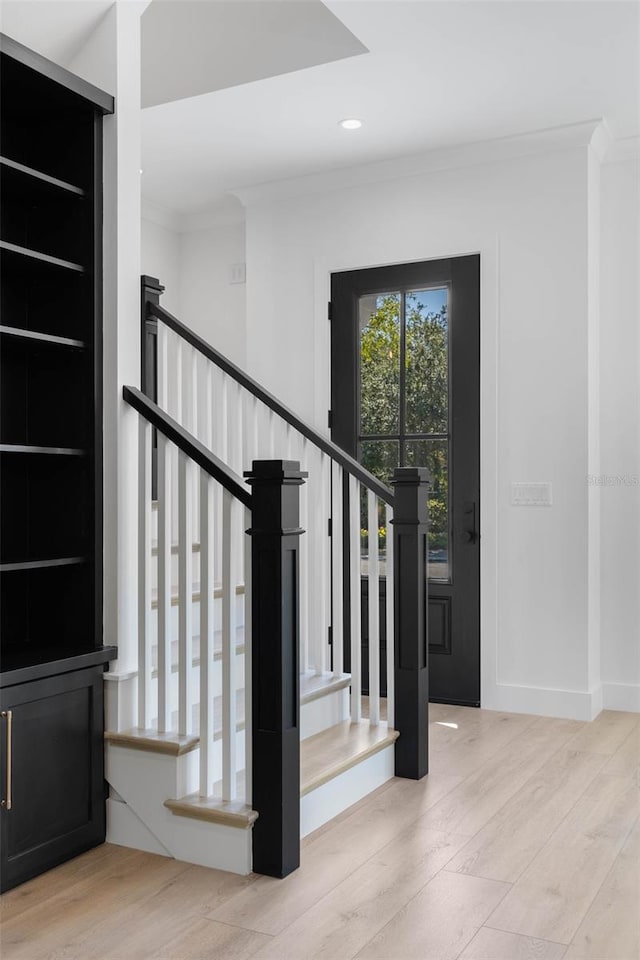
{"x":233,"y":813}
{"x":336,"y":750}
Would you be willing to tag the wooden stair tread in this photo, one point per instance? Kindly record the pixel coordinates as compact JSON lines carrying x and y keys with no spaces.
{"x":195,"y":595}
{"x":333,"y":751}
{"x":314,"y":686}
{"x":172,"y":744}
{"x":175,"y":547}
{"x":233,"y":813}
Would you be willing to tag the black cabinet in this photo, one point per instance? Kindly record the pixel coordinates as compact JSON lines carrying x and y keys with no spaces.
{"x":51,"y":646}
{"x":52,"y":771}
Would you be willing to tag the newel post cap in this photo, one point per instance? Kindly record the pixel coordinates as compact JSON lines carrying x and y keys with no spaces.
{"x":411,"y":476}
{"x":270,"y":471}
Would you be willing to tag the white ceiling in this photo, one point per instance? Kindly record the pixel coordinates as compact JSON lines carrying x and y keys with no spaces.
{"x":56,"y":29}
{"x":191,"y":47}
{"x":438,"y":74}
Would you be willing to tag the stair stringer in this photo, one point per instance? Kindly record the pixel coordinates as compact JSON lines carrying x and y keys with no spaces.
{"x":144,"y":779}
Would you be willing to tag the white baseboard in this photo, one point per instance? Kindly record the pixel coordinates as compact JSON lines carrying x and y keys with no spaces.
{"x":330,"y":799}
{"x":621,"y":696}
{"x":543,"y":701}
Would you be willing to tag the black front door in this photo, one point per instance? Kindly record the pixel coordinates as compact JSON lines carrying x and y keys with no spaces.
{"x":405,"y":391}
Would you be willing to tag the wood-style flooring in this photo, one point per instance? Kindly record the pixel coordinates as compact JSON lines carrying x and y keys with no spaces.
{"x":523,"y":843}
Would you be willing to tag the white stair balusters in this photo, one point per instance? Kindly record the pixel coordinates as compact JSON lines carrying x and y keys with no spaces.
{"x":374,"y":608}
{"x":337,"y":578}
{"x":185,"y":594}
{"x":248,"y":661}
{"x":164,"y":584}
{"x":144,"y":574}
{"x":229,"y":686}
{"x":207,"y":580}
{"x":305,"y":616}
{"x":240,"y":424}
{"x":355,"y":577}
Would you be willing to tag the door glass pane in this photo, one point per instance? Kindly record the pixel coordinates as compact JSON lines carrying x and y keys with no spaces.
{"x":379,"y":324}
{"x":434,"y":454}
{"x":427,"y":361}
{"x":380,"y":457}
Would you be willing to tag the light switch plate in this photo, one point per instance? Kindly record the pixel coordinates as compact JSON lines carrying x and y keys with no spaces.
{"x":531,"y":494}
{"x":238,"y":273}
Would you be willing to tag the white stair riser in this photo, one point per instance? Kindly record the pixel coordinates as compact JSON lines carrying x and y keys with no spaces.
{"x":315,"y":716}
{"x":325,"y":712}
{"x":144,"y":781}
{"x":327,"y":801}
{"x":217,"y":617}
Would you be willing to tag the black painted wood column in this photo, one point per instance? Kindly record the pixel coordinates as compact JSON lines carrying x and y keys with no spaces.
{"x":410,"y":553}
{"x":150,"y":292}
{"x":275,"y":534}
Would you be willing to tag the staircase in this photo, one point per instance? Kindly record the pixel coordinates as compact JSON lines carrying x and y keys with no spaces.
{"x":251,"y":733}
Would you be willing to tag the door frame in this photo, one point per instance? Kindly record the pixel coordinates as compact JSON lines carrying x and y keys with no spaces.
{"x":489,"y":409}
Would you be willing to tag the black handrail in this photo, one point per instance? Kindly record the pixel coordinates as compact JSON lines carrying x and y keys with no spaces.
{"x":327,"y":446}
{"x":195,"y":450}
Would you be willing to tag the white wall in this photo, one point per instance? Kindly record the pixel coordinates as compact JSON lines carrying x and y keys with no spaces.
{"x":528,"y":218}
{"x":195,"y":267}
{"x":620,"y":436}
{"x":209,"y":303}
{"x":160,"y":258}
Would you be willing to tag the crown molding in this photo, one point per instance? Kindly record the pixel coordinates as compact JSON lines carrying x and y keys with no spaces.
{"x":551,"y":140}
{"x":162,"y":216}
{"x":222,"y":214}
{"x":219,"y":215}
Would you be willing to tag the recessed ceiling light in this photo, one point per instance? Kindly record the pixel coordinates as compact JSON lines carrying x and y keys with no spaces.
{"x":350,"y":124}
{"x":141,"y":170}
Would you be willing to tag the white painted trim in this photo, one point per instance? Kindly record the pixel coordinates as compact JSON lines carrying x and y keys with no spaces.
{"x":125,"y":829}
{"x":145,"y":780}
{"x":327,"y":801}
{"x":161,"y":216}
{"x":551,"y":140}
{"x":621,"y":696}
{"x":220,"y":214}
{"x":623,"y":150}
{"x":121,"y":700}
{"x":543,"y":701}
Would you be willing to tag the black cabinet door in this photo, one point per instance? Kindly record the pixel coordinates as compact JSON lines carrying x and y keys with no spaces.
{"x":52,"y":772}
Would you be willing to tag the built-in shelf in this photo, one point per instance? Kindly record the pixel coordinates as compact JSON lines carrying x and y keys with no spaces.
{"x":42,"y":257}
{"x":51,"y":451}
{"x":40,"y":178}
{"x":41,"y":337}
{"x":41,"y":564}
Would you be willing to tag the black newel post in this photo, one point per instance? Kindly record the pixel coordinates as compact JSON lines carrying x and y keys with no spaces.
{"x":275,"y":534}
{"x":150,"y":292}
{"x":410,"y":552}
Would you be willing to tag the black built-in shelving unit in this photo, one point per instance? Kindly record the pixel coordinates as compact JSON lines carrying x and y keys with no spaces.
{"x":51,"y":643}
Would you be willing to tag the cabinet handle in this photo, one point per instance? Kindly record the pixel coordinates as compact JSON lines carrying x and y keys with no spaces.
{"x":8,"y":716}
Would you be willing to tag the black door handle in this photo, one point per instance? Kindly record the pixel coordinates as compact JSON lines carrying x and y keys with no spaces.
{"x":469,"y":527}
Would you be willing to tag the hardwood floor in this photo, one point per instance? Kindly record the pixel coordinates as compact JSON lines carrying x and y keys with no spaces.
{"x":523,"y":843}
